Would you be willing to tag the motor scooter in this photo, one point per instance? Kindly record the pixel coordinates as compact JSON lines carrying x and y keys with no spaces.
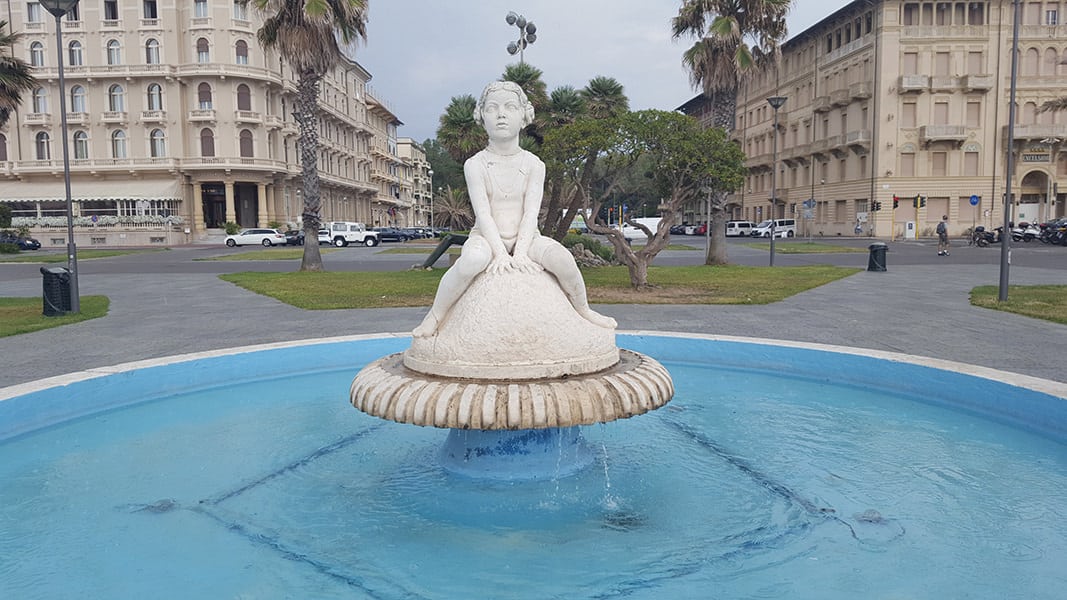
{"x":1025,"y":232}
{"x":982,"y":238}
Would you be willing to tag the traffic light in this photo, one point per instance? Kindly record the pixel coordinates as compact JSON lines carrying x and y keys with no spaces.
{"x":922,"y":201}
{"x":876,"y":206}
{"x":896,"y":202}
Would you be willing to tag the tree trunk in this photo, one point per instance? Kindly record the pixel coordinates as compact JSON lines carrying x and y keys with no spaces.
{"x":717,"y":227}
{"x":307,"y":119}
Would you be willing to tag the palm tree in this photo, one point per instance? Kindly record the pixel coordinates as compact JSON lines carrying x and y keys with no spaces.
{"x":15,"y":76}
{"x":735,"y":38}
{"x":456,"y":130}
{"x":308,"y":34}
{"x":453,"y":209}
{"x":565,"y":105}
{"x":604,"y":97}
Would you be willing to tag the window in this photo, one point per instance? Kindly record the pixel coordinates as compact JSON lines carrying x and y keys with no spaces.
{"x":203,"y":93}
{"x":1052,"y":17}
{"x":240,"y":10}
{"x":74,"y":54}
{"x":81,"y":145}
{"x":907,"y":164}
{"x":246,"y":144}
{"x":203,"y":51}
{"x":42,"y":146}
{"x":149,"y":7}
{"x":242,"y":52}
{"x":970,"y":164}
{"x":151,"y":52}
{"x":207,"y":143}
{"x":907,"y":114}
{"x":244,"y":98}
{"x":111,"y":10}
{"x":938,"y":164}
{"x":40,"y":100}
{"x":114,"y":52}
{"x":911,"y":63}
{"x":116,"y":98}
{"x":3,"y":147}
{"x":942,"y":62}
{"x":33,"y":12}
{"x":77,"y":99}
{"x":37,"y":54}
{"x":157,"y":144}
{"x":155,"y":97}
{"x":118,"y":144}
{"x":73,"y":14}
{"x":974,"y":113}
{"x":200,"y":8}
{"x":940,"y":113}
{"x":974,"y":63}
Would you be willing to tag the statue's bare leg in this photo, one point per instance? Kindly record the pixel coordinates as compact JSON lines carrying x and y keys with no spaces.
{"x":558,"y":261}
{"x":472,"y":261}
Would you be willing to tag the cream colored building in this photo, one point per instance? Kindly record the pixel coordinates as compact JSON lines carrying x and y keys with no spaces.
{"x":905,"y":99}
{"x":418,"y":182}
{"x":180,"y":122}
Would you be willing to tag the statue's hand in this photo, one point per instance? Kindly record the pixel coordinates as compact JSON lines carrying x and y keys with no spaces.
{"x":525,"y":264}
{"x":499,"y":264}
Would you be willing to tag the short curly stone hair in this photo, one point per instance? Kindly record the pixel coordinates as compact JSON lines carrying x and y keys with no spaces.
{"x":509,"y":86}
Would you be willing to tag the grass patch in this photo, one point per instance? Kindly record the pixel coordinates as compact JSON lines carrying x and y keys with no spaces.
{"x":24,"y":315}
{"x":1047,"y":302}
{"x":61,"y":257}
{"x":673,"y":285}
{"x":804,"y":248}
{"x":269,"y":254}
{"x":418,"y":250}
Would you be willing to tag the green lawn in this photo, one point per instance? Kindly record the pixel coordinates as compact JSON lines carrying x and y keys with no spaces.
{"x":36,"y":256}
{"x":784,"y":247}
{"x":25,"y":315}
{"x":1047,"y":302}
{"x":280,"y":253}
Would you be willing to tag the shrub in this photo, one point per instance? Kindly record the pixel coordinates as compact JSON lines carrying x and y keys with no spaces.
{"x":9,"y":248}
{"x":232,"y":228}
{"x":591,"y":244}
{"x":275,"y":225}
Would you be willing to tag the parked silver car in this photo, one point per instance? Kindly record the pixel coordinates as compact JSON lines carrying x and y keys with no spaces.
{"x":266,"y":237}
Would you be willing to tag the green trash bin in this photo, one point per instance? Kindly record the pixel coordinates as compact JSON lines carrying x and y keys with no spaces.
{"x":56,"y":297}
{"x":876,"y":259}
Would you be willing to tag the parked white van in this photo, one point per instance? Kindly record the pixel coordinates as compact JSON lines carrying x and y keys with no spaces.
{"x":782,"y":228}
{"x":739,"y":228}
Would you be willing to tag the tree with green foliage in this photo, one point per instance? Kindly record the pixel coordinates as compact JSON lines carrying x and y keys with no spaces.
{"x":683,"y":158}
{"x":308,"y":35}
{"x":15,"y":74}
{"x":734,"y":40}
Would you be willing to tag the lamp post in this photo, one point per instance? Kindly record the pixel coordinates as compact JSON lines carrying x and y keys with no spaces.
{"x":527,"y":34}
{"x":776,"y":102}
{"x":58,"y":8}
{"x":430,"y":173}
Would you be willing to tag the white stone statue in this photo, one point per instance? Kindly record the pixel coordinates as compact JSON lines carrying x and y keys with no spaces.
{"x":506,"y":184}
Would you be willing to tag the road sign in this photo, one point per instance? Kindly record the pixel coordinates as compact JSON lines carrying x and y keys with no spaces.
{"x":809,"y":203}
{"x":975,"y":199}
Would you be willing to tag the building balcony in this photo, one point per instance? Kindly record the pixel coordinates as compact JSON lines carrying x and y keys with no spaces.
{"x":115,"y":116}
{"x":383,"y":176}
{"x":1037,"y":132}
{"x":272,"y":121}
{"x":859,"y":141}
{"x":151,"y":25}
{"x":111,"y":24}
{"x":840,"y":98}
{"x":913,"y":83}
{"x":202,"y":115}
{"x":929,"y":134}
{"x":78,"y":118}
{"x":153,"y":116}
{"x":247,"y":116}
{"x":944,"y":84}
{"x":821,"y":104}
{"x":977,"y":83}
{"x":820,"y":147}
{"x":860,"y":91}
{"x":200,"y":23}
{"x":198,"y":163}
{"x":837,"y":145}
{"x":38,"y":118}
{"x":380,"y":151}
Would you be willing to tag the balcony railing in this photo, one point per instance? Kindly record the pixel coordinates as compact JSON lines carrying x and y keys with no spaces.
{"x":247,"y":116}
{"x":940,"y":83}
{"x":840,"y":98}
{"x":913,"y":83}
{"x":942,"y":133}
{"x":153,"y":116}
{"x":977,"y":83}
{"x":1038,"y":132}
{"x":202,"y":114}
{"x":821,"y":104}
{"x":115,"y":116}
{"x":859,"y":141}
{"x":860,"y":91}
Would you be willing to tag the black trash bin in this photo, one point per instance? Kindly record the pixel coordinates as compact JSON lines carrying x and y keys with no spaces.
{"x":876,"y":259}
{"x":56,"y":291}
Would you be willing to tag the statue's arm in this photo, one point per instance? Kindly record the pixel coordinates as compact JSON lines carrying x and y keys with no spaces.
{"x":474,"y":172}
{"x":531,"y":207}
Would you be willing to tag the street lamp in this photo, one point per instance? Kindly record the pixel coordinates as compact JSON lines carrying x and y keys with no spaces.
{"x":430,"y":173}
{"x":58,"y":8}
{"x":776,"y":102}
{"x":527,"y":33}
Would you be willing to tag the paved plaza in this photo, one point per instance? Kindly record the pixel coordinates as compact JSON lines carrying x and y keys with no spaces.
{"x":168,"y":303}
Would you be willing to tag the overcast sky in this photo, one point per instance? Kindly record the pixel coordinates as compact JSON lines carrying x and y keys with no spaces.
{"x":421,"y":53}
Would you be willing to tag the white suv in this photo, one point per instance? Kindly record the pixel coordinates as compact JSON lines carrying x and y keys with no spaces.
{"x":783,"y":228}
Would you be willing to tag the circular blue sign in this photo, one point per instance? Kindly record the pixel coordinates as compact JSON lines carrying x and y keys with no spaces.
{"x":975,"y":199}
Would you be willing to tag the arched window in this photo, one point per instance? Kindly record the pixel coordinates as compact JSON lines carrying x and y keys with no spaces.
{"x":240,"y":10}
{"x":114,"y":52}
{"x":155,"y":97}
{"x":43,"y":146}
{"x":81,"y":145}
{"x":118,"y":144}
{"x":116,"y":98}
{"x":246,"y":144}
{"x":157,"y":143}
{"x":242,"y":52}
{"x":203,"y":51}
{"x":37,"y":54}
{"x":207,"y":143}
{"x":74,"y":53}
{"x":151,"y":52}
{"x":244,"y":97}
{"x":77,"y":99}
{"x":150,"y":11}
{"x":200,"y":8}
{"x":40,"y":100}
{"x":3,"y":147}
{"x":203,"y":92}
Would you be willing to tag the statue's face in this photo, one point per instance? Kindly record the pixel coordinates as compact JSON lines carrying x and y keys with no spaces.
{"x":502,"y":114}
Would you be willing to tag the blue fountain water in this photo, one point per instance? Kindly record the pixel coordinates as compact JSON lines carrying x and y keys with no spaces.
{"x":837,"y":476}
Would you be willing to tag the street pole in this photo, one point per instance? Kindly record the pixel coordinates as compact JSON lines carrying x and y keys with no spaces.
{"x":1005,"y":248}
{"x":527,"y":34}
{"x":430,"y":173}
{"x":776,"y":102}
{"x":58,"y":8}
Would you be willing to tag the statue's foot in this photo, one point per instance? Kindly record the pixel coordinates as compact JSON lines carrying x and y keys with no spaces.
{"x":597,"y":319}
{"x":427,"y":328}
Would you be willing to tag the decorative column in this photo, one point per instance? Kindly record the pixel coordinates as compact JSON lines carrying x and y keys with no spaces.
{"x":231,"y":211}
{"x":262,"y":216}
{"x":199,"y":225}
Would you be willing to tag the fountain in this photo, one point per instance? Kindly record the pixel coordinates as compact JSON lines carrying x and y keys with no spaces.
{"x":511,"y":357}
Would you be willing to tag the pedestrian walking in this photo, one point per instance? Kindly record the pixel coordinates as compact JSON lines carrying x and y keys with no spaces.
{"x":942,"y":236}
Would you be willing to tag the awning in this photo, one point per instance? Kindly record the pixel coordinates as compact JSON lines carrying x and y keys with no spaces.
{"x":129,"y":189}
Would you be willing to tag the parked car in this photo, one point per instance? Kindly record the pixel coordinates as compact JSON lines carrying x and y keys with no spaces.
{"x":343,"y":233}
{"x":324,"y":237}
{"x":24,"y":243}
{"x":294,"y":237}
{"x":678,"y":229}
{"x":266,"y":237}
{"x":738,"y":228}
{"x":783,"y":228}
{"x":701,"y":229}
{"x":391,"y":234}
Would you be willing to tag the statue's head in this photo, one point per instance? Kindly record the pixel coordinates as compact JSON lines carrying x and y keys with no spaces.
{"x":506,"y":86}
